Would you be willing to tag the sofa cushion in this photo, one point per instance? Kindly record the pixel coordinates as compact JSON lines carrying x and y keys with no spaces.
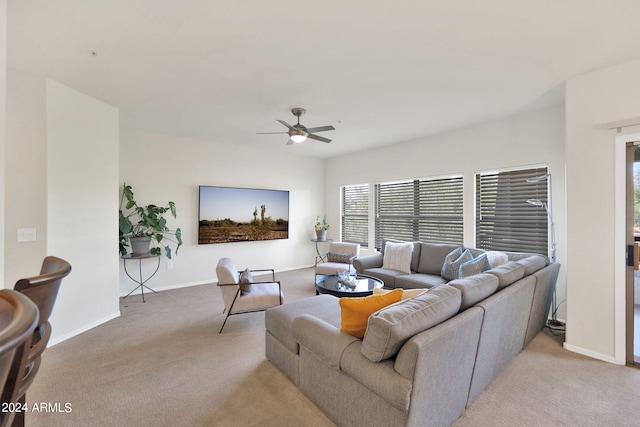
{"x":432,"y":257}
{"x":380,"y":378}
{"x":245,"y":282}
{"x":415,"y":255}
{"x":507,"y":273}
{"x":533,"y":264}
{"x":517,"y":256}
{"x":451,"y":266}
{"x":397,"y":256}
{"x":392,"y":326}
{"x":387,"y":276}
{"x":279,"y":320}
{"x":475,"y":288}
{"x":406,"y":293}
{"x":474,"y":266}
{"x":356,"y":311}
{"x":419,"y":280}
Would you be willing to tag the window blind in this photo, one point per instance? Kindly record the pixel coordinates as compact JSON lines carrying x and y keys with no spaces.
{"x":504,"y":219}
{"x":429,"y":210}
{"x":355,"y":214}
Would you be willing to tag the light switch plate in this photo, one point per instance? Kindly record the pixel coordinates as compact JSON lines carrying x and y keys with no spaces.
{"x":26,"y":234}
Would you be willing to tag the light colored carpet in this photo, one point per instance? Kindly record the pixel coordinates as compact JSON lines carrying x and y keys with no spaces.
{"x":163,"y":363}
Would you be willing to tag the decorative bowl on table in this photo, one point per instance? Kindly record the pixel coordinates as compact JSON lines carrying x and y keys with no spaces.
{"x":347,"y":279}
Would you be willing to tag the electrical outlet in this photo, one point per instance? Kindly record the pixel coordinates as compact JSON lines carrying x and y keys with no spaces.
{"x":169,"y":265}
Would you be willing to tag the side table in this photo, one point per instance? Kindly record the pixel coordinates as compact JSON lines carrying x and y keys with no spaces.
{"x":318,"y":249}
{"x":320,"y":241}
{"x":140,"y":281}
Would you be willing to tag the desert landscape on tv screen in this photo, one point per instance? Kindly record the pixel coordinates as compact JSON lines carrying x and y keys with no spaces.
{"x":242,"y":214}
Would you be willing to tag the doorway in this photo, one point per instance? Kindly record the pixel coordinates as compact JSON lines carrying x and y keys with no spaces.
{"x":632,"y":287}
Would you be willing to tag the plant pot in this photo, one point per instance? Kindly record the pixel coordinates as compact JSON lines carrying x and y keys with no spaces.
{"x":321,"y":235}
{"x":140,"y":245}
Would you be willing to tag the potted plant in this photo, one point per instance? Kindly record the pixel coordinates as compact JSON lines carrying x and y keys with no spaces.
{"x":144,"y":224}
{"x":321,"y":228}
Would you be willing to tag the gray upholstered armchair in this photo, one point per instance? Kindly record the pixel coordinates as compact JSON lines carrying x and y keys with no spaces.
{"x":339,"y":258}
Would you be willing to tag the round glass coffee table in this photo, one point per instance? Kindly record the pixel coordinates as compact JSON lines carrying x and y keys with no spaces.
{"x":362,"y":286}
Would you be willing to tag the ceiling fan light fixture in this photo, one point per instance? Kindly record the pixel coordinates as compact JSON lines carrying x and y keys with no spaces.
{"x":299,"y":133}
{"x":297,"y":138}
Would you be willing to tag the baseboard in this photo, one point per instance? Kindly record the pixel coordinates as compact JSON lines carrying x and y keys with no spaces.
{"x":169,"y":287}
{"x":92,"y":325}
{"x":295,"y":268}
{"x":590,"y":353}
{"x":202,"y":282}
{"x":85,"y":328}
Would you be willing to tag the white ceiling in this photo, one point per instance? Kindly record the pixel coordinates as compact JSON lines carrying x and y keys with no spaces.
{"x":381,"y":72}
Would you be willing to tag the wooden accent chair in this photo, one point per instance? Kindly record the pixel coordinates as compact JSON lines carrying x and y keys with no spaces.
{"x":241,"y":294}
{"x":18,"y":318}
{"x":339,"y":258}
{"x":42,"y":290}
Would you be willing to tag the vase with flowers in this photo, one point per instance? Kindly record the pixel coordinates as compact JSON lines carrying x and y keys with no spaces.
{"x":321,"y":228}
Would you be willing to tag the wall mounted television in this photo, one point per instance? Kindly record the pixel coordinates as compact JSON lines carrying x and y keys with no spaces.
{"x":228,"y":214}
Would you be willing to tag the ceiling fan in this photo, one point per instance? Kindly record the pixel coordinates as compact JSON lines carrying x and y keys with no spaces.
{"x":299,"y":133}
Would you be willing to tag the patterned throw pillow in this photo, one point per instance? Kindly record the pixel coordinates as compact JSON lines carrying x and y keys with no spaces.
{"x":245,"y":282}
{"x":475,"y":266}
{"x":336,"y":257}
{"x":451,"y":269}
{"x":453,"y":255}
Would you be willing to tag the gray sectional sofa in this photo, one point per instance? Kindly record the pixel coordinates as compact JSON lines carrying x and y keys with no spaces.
{"x":424,"y":359}
{"x":426,"y":265}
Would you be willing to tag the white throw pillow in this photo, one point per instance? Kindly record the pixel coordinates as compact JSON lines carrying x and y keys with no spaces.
{"x":496,"y":258}
{"x":397,"y":256}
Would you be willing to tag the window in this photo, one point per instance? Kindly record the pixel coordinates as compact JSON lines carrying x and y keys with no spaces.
{"x":355,"y":214}
{"x":429,"y":210}
{"x":504,"y":219}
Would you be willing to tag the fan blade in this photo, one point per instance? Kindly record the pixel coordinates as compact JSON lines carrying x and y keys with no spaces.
{"x":290,"y":141}
{"x":269,"y":133}
{"x":286,"y":124}
{"x":318,"y":138}
{"x":320,"y":129}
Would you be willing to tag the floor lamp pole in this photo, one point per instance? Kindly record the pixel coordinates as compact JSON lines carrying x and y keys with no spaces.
{"x":554,"y":323}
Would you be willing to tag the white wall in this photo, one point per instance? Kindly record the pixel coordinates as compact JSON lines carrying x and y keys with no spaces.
{"x":62,"y":179}
{"x":3,"y":86}
{"x":164,"y":167}
{"x":26,"y":174}
{"x":524,"y":140}
{"x":82,"y":191}
{"x":595,"y":311}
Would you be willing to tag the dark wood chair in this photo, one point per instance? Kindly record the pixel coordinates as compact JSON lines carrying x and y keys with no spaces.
{"x":18,"y":318}
{"x":42,"y":290}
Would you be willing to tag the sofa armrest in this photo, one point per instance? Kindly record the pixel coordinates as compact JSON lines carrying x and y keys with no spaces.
{"x":322,"y":339}
{"x":370,"y":261}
